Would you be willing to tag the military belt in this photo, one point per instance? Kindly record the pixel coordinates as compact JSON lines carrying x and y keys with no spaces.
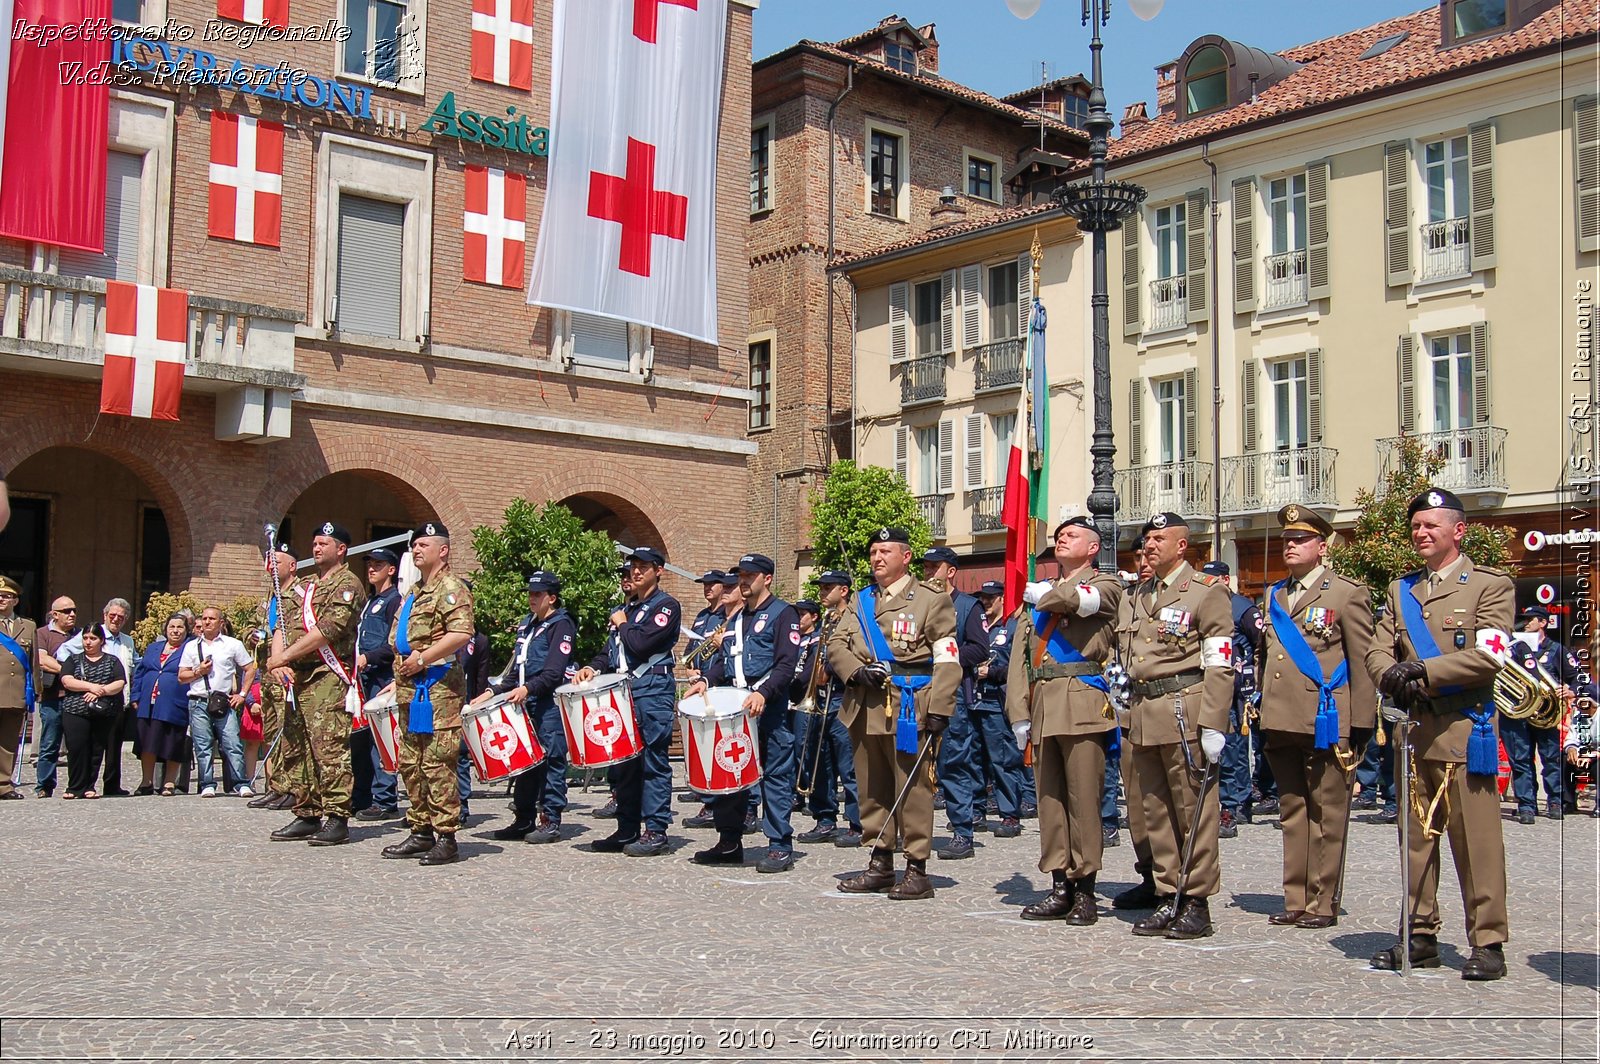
{"x":1057,"y":670}
{"x":897,"y":669}
{"x":1167,"y":684}
{"x":1440,"y":705}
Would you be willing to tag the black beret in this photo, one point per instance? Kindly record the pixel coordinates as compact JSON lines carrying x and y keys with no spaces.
{"x":1433,"y":499}
{"x":1075,"y":522}
{"x":430,"y":528}
{"x":1165,"y":519}
{"x":333,"y":531}
{"x":890,"y":535}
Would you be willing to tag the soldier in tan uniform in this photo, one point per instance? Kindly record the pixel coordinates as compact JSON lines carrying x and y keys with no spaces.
{"x":900,"y":694}
{"x":1438,"y":648}
{"x":17,"y":638}
{"x":1058,"y":702}
{"x":1176,"y":630}
{"x":1318,"y":709}
{"x":434,"y":622}
{"x":319,"y":621}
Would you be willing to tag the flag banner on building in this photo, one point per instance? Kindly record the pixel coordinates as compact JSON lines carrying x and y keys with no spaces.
{"x":146,"y":342}
{"x":495,"y":226}
{"x":502,"y":42}
{"x":1028,"y":465}
{"x":256,"y":12}
{"x":53,"y":162}
{"x":246,"y":193}
{"x":629,"y":224}
{"x":1038,"y":376}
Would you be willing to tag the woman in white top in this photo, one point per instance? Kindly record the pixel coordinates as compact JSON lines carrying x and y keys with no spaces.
{"x":217,"y":665}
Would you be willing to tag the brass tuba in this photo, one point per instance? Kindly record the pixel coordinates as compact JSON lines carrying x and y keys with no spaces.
{"x":1531,"y":696}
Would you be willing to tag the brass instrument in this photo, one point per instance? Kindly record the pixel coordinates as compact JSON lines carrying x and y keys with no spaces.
{"x":1531,"y":696}
{"x":705,"y":648}
{"x":819,"y":668}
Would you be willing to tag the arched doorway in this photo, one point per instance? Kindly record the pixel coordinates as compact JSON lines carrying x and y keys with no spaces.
{"x":85,"y":525}
{"x":616,"y":517}
{"x":369,"y":503}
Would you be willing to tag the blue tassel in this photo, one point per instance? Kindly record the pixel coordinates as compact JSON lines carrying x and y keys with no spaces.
{"x":1327,"y":735}
{"x":1114,"y":743}
{"x":419,"y":721}
{"x":1483,"y":752}
{"x":905,"y":729}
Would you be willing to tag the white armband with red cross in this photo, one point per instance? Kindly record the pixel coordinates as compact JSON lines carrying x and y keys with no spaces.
{"x":1217,"y":653}
{"x":944,"y":652}
{"x":1088,"y":600}
{"x":1495,"y":643}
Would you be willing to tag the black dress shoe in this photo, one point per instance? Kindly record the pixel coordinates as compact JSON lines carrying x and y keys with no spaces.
{"x":1286,"y":917}
{"x":114,"y":792}
{"x":1424,"y":954}
{"x":718,"y":855}
{"x":613,"y":843}
{"x":444,"y":851}
{"x":517,"y":829}
{"x":262,"y":801}
{"x":378,"y":812}
{"x":878,"y":877}
{"x":1316,"y":921}
{"x":1142,"y":896}
{"x":414,"y":845}
{"x":1155,"y":925}
{"x":959,"y":849}
{"x":301,"y":827}
{"x":1193,"y":920}
{"x":335,"y":830}
{"x":285,"y":801}
{"x":1486,"y":963}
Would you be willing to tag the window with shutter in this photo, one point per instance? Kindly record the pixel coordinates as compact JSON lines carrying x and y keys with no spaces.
{"x":1244,"y":245}
{"x":971,"y":306}
{"x":1024,"y":293}
{"x":928,"y":317}
{"x":1319,"y":275}
{"x":1314,"y":396}
{"x":1480,"y":161}
{"x":370,"y":266}
{"x":947,"y":457}
{"x":120,"y":260}
{"x":1406,"y":376}
{"x":1135,"y":447}
{"x":1004,"y":294}
{"x":1197,"y":231}
{"x":598,"y":341}
{"x":1397,"y":212}
{"x":972,"y":452}
{"x":902,"y":458}
{"x":947,"y":312}
{"x":1131,"y":308}
{"x":899,"y":322}
{"x":1482,"y":409}
{"x":1586,"y":163}
{"x":1191,"y":413}
{"x":1002,"y":427}
{"x":1249,"y":419}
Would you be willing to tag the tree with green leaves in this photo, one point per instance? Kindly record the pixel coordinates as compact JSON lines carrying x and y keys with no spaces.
{"x":853,"y":504}
{"x":1378,"y":551}
{"x":553,"y":538}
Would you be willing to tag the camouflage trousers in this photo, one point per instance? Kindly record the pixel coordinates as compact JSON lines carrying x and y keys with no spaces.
{"x":284,"y":762}
{"x":318,"y":725}
{"x":428,"y":768}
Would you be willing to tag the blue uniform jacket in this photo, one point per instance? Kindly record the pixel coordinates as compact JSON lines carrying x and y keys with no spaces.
{"x":542,"y":660}
{"x":372,"y":639}
{"x":766,"y":644}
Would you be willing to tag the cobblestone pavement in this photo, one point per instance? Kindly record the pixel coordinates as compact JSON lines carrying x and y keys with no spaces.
{"x":157,"y":929}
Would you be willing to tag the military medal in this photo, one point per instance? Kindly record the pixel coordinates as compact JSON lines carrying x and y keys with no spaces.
{"x":1318,"y":621}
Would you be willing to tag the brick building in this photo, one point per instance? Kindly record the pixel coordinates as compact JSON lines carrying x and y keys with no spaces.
{"x":348,"y":370}
{"x":858,"y":145}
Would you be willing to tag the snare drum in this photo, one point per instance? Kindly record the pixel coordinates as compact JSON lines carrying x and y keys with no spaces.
{"x":383,"y":717}
{"x":499,"y":739}
{"x":719,"y":745}
{"x":599,"y":721}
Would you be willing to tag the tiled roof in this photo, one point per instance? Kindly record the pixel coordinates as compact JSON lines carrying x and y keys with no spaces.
{"x":1333,"y":70}
{"x":890,"y":23}
{"x":1056,"y":83}
{"x":988,"y":221}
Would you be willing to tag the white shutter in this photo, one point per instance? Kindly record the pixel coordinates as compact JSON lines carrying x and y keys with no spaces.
{"x":1480,"y":195}
{"x":902,"y":441}
{"x":371,"y":271}
{"x":971,"y":306}
{"x":642,"y":352}
{"x":972,"y":452}
{"x":899,"y":322}
{"x":1024,"y":293}
{"x":947,"y":312}
{"x":1397,"y":212}
{"x":120,"y":261}
{"x":947,"y":457}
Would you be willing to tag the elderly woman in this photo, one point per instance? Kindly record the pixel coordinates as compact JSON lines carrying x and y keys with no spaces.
{"x":161,"y":701}
{"x":90,"y":708}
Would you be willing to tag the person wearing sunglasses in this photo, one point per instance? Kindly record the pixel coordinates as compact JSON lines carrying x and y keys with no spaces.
{"x":47,"y":679}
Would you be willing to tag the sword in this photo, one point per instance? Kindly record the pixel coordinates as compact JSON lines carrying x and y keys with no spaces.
{"x":911,"y":781}
{"x":1401,"y":719}
{"x":1212,"y":774}
{"x":1183,"y":731}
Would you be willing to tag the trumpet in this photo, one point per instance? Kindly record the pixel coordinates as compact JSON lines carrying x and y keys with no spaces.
{"x":705,"y":648}
{"x":819,"y":668}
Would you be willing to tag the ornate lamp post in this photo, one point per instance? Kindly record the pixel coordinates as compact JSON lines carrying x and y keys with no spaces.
{"x":1100,"y":205}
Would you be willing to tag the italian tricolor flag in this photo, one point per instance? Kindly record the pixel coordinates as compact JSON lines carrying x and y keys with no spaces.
{"x":1028,"y":466}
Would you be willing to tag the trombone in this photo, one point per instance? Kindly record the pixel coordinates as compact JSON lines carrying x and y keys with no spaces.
{"x":808,"y":702}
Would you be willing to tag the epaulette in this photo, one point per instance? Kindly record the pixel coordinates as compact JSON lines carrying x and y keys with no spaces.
{"x":1207,"y":579}
{"x":1491,"y":570}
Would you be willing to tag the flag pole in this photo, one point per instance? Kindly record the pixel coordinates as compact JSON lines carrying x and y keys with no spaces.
{"x":1035,"y":459}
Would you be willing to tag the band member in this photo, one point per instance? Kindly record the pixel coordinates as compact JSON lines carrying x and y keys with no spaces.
{"x":435,"y":620}
{"x":828,"y":754}
{"x":723,"y":603}
{"x":898,"y":649}
{"x":608,"y":811}
{"x":960,"y":763}
{"x":1058,"y":702}
{"x":706,"y":621}
{"x":1177,"y":634}
{"x":1318,"y":709}
{"x":375,"y":797}
{"x":1533,"y":649}
{"x":17,"y":637}
{"x":319,"y":622}
{"x":805,"y":670}
{"x":760,"y":657}
{"x":995,"y":744}
{"x":288,"y":766}
{"x":1439,"y":645}
{"x":640,"y":644}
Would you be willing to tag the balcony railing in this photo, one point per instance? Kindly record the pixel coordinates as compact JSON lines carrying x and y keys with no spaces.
{"x":1446,"y":249}
{"x":1474,"y":459}
{"x":922,"y":381}
{"x":999,"y":365}
{"x":987,"y":504}
{"x":1264,"y":483}
{"x":1169,"y":302}
{"x":932,"y":507}
{"x":1182,"y":487}
{"x":1286,"y":280}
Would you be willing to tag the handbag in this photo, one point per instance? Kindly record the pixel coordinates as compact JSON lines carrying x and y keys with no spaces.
{"x":217,"y":702}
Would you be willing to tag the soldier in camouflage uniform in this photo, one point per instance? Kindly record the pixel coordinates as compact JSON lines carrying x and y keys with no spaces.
{"x":434,"y":622}
{"x":289,"y":761}
{"x":320,"y":619}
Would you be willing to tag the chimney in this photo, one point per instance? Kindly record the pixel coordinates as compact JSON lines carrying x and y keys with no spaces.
{"x":928,"y":57}
{"x":947,"y":211}
{"x":1134,"y":118}
{"x":1167,"y":88}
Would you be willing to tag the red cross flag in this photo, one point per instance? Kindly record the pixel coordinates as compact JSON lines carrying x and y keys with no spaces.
{"x":496,"y":229}
{"x":502,"y":42}
{"x":246,"y":194}
{"x":256,"y":12}
{"x":629,"y":224}
{"x":146,"y":341}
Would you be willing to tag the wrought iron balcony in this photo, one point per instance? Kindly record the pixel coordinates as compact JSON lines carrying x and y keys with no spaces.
{"x":932,"y":507}
{"x":1474,"y":459}
{"x":999,"y":365}
{"x":987,"y":505}
{"x":1266,"y":482}
{"x":1287,"y":285}
{"x":1182,"y":487}
{"x":922,"y":381}
{"x":1169,"y":302}
{"x":1446,"y":249}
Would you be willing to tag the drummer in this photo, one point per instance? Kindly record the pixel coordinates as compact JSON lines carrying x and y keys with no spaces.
{"x":541,"y":663}
{"x":643,"y":633}
{"x":759,"y":658}
{"x":728,"y":602}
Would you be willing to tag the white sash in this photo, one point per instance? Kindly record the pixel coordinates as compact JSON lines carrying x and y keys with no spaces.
{"x":308,"y":618}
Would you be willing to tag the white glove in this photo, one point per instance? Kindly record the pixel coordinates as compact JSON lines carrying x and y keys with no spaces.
{"x":1211,"y":743}
{"x":1021,"y":730}
{"x":1035,"y":591}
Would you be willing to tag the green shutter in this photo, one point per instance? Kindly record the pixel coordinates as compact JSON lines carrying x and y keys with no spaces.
{"x":1406,"y":374}
{"x":1319,"y":278}
{"x":1480,"y":165}
{"x":1131,"y":317}
{"x":1397,"y":212}
{"x":1244,"y":245}
{"x":1197,"y":231}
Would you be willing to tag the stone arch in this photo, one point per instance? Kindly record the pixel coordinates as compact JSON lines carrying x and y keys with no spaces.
{"x":625,"y":495}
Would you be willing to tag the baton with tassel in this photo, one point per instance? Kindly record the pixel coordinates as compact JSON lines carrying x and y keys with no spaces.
{"x":277,"y":624}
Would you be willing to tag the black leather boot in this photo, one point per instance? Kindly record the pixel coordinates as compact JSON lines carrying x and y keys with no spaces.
{"x":301,"y":827}
{"x":1055,"y":905}
{"x":1193,"y":919}
{"x":335,"y":830}
{"x":1084,"y":911}
{"x":414,"y":845}
{"x":878,"y":877}
{"x":443,"y":852}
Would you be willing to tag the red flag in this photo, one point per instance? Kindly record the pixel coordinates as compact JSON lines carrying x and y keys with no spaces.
{"x":53,"y":174}
{"x":256,"y":12}
{"x":502,"y":42}
{"x":495,"y":226}
{"x":246,"y":193}
{"x":146,"y":342}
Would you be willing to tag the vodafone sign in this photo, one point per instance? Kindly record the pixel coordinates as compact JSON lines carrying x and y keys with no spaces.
{"x":1535,"y":540}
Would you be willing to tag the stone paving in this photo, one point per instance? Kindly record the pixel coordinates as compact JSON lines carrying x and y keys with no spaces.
{"x":171,"y":929}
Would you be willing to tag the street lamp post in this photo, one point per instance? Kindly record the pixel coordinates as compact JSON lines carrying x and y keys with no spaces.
{"x":1100,"y":205}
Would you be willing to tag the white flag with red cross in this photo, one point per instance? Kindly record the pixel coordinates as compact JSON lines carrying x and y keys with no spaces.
{"x":502,"y":42}
{"x":629,"y":224}
{"x":496,"y":229}
{"x":146,"y":340}
{"x":256,"y":12}
{"x":246,"y":191}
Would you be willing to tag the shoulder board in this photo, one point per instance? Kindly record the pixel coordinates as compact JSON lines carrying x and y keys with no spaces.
{"x":935,"y":585}
{"x":1491,"y":570}
{"x":1205,"y":578}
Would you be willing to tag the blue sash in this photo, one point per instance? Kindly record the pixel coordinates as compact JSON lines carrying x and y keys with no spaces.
{"x":419,"y":718}
{"x":905,"y":729}
{"x":27,"y":669}
{"x":1483,"y":753}
{"x":1305,"y":659}
{"x":1067,"y":654}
